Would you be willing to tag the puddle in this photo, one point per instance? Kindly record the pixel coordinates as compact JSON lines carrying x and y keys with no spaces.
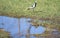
{"x":11,"y":25}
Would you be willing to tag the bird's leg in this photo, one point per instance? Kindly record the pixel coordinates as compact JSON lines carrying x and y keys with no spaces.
{"x":33,"y":9}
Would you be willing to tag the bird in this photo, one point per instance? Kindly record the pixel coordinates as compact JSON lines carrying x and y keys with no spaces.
{"x":33,"y":6}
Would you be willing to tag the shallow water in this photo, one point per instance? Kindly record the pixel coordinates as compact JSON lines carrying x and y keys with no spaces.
{"x":11,"y":25}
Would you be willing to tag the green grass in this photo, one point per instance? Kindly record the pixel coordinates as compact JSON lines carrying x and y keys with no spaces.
{"x":17,"y":8}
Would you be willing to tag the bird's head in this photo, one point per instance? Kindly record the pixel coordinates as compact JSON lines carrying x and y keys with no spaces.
{"x":35,"y":2}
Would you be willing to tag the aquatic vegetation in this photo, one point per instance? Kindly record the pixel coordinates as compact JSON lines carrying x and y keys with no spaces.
{"x":4,"y":34}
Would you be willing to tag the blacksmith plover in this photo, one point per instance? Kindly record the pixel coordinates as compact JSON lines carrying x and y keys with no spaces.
{"x":33,"y":6}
